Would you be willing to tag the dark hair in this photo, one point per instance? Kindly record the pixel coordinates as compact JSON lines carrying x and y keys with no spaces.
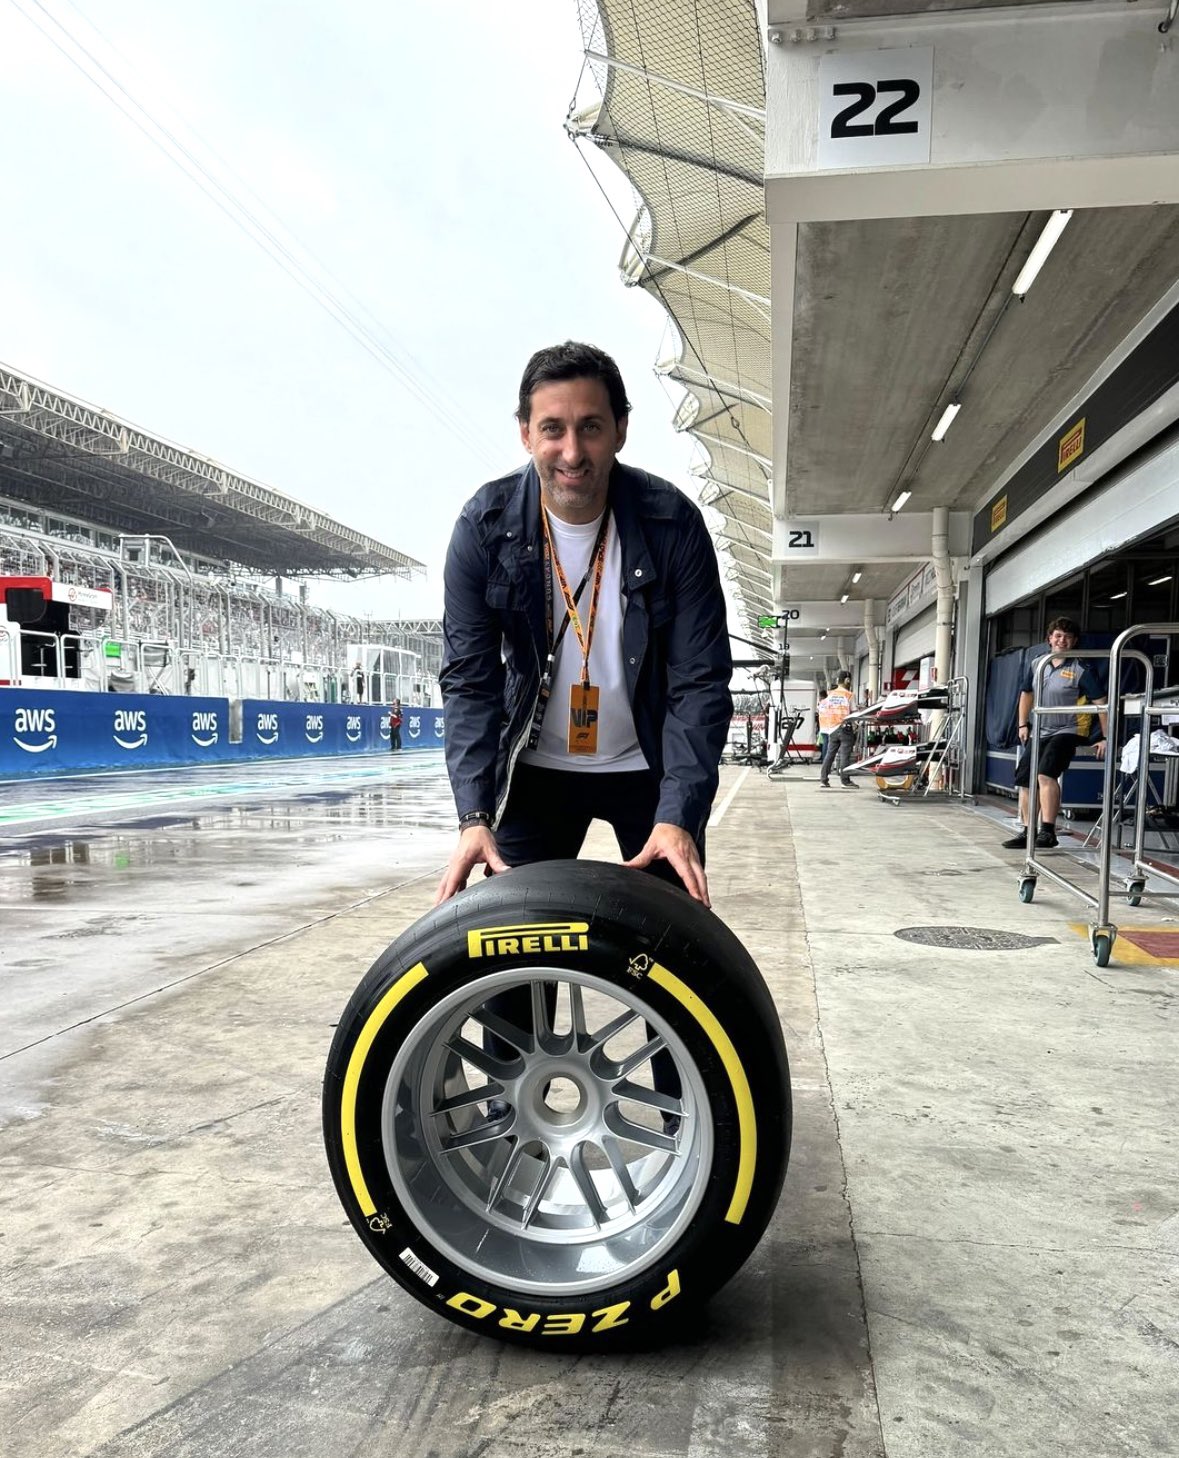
{"x":845,"y":680}
{"x":1065,"y":625}
{"x":571,"y":361}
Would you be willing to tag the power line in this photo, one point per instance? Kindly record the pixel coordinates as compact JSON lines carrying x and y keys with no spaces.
{"x":256,"y":229}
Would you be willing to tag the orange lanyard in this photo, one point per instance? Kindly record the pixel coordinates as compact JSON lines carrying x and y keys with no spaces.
{"x":585,"y":637}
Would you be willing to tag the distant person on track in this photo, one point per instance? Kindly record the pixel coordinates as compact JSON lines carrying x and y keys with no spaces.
{"x":586,"y":665}
{"x":833,"y":712}
{"x":395,"y":724}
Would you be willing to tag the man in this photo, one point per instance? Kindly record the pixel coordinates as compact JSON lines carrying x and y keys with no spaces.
{"x":1066,"y":682}
{"x":586,"y":665}
{"x":833,"y":712}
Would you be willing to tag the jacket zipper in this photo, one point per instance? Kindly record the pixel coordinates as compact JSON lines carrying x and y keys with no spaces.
{"x":521,"y":741}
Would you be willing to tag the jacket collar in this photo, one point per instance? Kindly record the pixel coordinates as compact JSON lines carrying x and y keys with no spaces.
{"x":627,"y":492}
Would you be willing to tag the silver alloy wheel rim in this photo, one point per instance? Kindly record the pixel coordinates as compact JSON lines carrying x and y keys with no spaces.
{"x":531,"y":1146}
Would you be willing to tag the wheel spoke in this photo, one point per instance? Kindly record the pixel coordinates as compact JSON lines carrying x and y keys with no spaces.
{"x":577,"y":1015}
{"x":507,"y":1032}
{"x":618,"y":1123}
{"x":618,"y":1165}
{"x":594,"y":1041}
{"x":650,"y":1098}
{"x":498,"y":1068}
{"x":481,"y":1134}
{"x":515,"y":1151}
{"x":584,"y":1180}
{"x":547,"y":1175}
{"x":542,"y":1022}
{"x":468,"y":1097}
{"x":611,"y":1070}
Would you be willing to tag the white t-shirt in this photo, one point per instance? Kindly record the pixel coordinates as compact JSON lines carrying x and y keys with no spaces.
{"x":618,"y":744}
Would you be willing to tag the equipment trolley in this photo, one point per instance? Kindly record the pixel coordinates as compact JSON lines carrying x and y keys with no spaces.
{"x":1102,"y":932}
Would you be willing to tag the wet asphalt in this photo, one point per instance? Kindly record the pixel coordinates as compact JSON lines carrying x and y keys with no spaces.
{"x":114,"y":887}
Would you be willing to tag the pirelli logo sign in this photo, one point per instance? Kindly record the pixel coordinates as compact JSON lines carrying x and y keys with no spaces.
{"x":1070,"y":447}
{"x":539,"y":936}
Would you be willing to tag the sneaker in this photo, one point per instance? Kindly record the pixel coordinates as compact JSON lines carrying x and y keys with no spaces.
{"x":849,"y":784}
{"x":824,"y":784}
{"x":1017,"y":842}
{"x":1046,"y":839}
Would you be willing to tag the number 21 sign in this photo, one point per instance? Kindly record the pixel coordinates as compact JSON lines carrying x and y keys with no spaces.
{"x":875,"y":107}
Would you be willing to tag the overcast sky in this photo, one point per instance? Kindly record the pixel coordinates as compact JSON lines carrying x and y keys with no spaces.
{"x":417,"y":150}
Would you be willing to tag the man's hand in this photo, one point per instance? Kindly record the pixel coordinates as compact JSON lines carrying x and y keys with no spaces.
{"x":1099,"y":749}
{"x":476,"y":847}
{"x":673,"y":844}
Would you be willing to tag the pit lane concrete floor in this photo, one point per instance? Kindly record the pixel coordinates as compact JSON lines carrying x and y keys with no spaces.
{"x":975,"y":1251}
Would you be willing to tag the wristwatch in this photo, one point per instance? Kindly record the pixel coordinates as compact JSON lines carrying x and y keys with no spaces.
{"x":474,"y":817}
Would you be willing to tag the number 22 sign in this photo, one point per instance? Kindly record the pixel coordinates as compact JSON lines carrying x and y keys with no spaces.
{"x":875,"y":107}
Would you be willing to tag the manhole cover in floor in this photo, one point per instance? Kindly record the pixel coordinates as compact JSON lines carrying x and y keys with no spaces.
{"x":970,"y":938}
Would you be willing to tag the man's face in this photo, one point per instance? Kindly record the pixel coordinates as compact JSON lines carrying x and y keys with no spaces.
{"x":573,"y":439}
{"x":1061,"y":641}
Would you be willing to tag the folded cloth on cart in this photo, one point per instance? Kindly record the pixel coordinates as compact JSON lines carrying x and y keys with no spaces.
{"x":905,"y":703}
{"x":891,"y":759}
{"x":1161,"y":743}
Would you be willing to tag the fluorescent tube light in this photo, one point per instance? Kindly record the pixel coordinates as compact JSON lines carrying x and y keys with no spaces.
{"x":939,"y":430}
{"x":1158,"y":581}
{"x":856,"y":577}
{"x":1045,"y":243}
{"x":844,"y":598}
{"x":1113,"y":597}
{"x":900,"y":501}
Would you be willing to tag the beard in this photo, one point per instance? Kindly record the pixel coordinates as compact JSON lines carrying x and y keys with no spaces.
{"x":585,"y":498}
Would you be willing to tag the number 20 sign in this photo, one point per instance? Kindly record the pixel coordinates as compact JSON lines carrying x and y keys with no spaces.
{"x":875,"y":107}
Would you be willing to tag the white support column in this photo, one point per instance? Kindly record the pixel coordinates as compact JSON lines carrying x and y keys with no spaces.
{"x":945,"y":594}
{"x":873,"y":636}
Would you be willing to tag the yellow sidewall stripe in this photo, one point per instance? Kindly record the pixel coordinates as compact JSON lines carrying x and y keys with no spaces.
{"x":746,"y":1119}
{"x":376,"y":1021}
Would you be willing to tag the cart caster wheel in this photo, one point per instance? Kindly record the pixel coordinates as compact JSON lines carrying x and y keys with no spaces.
{"x":1134,"y":893}
{"x":1102,"y":947}
{"x":1027,"y":888}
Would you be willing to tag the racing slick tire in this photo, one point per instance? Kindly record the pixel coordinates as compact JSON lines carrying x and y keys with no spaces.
{"x":557,"y":1108}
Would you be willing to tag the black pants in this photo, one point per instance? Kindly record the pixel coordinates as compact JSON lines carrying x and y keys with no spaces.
{"x":549,"y":811}
{"x":839,"y":742}
{"x":546,"y":819}
{"x":394,"y":736}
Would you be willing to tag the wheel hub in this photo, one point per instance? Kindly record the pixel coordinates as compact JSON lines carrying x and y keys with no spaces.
{"x":549,"y":1129}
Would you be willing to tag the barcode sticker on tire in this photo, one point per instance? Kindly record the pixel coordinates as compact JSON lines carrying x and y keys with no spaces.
{"x":419,"y":1268}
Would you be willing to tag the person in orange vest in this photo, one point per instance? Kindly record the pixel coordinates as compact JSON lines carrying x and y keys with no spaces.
{"x":833,"y":712}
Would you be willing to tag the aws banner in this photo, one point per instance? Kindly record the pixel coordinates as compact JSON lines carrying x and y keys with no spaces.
{"x":61,"y":733}
{"x":272,"y":729}
{"x":57,"y":732}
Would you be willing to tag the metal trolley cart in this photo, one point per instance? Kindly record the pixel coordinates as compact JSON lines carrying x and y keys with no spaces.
{"x":933,"y":769}
{"x":1102,"y":932}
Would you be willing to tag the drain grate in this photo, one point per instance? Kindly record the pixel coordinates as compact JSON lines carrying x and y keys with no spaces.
{"x":970,"y":938}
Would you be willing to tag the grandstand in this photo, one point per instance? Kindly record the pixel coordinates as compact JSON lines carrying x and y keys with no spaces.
{"x":195,"y":557}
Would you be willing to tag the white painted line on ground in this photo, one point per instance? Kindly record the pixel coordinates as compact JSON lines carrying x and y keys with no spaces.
{"x":719,"y":813}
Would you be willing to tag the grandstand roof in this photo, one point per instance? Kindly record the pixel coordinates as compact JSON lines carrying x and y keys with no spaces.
{"x":682,"y":113}
{"x":62,"y":454}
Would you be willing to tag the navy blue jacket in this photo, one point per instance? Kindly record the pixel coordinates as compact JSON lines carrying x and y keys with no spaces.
{"x":675,"y":643}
